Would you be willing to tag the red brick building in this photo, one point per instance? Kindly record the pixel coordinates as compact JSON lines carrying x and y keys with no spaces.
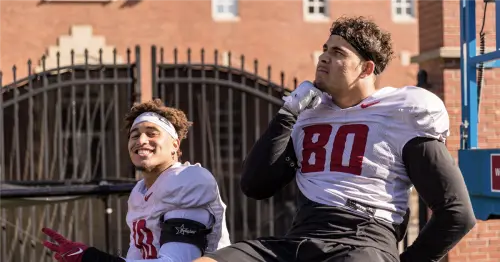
{"x":439,"y":55}
{"x":284,"y":34}
{"x":278,"y":33}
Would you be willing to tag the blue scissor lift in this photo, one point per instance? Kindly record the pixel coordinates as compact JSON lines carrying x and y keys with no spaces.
{"x":480,"y":167}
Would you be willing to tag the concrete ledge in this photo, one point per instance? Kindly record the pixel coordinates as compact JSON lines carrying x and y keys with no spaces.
{"x":442,"y":52}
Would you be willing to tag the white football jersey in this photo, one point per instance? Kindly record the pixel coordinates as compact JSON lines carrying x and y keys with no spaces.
{"x":356,"y":153}
{"x":178,"y":187}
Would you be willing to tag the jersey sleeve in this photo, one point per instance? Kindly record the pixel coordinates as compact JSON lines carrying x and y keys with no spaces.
{"x":423,"y":114}
{"x":271,"y":163}
{"x":440,"y":184}
{"x":193,"y":187}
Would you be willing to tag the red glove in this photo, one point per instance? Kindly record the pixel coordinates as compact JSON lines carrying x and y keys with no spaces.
{"x":66,"y":250}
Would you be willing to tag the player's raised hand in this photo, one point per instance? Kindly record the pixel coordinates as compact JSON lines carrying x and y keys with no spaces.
{"x":305,"y":96}
{"x":65,"y":250}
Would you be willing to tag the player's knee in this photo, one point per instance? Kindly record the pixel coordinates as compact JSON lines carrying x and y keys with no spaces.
{"x":204,"y":259}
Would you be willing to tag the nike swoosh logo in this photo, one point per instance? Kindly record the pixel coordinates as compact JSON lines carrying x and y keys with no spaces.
{"x":76,"y":253}
{"x":147,"y":197}
{"x":369,"y":104}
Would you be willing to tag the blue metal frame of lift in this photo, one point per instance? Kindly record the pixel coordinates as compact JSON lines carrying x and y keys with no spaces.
{"x":468,"y":67}
{"x":476,"y":164}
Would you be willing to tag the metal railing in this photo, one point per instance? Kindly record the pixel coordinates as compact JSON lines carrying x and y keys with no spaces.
{"x":65,"y":124}
{"x":230,"y":107}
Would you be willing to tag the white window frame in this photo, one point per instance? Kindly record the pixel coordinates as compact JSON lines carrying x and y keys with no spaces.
{"x":403,"y":4}
{"x":315,"y":16}
{"x":316,"y":54}
{"x":405,"y":58}
{"x":226,"y":14}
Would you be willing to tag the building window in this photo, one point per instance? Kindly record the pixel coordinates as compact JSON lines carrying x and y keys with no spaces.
{"x":315,"y":56}
{"x":315,"y":9}
{"x":403,"y":9}
{"x":225,"y":9}
{"x":405,"y":58}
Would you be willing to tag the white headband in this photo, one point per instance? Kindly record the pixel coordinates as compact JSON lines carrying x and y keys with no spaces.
{"x":156,"y":119}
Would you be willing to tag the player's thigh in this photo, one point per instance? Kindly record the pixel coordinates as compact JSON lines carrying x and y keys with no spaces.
{"x":261,"y":250}
{"x":356,"y":254}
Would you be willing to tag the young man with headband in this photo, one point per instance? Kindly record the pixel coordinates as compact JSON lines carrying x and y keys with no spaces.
{"x":175,"y":213}
{"x":355,"y":151}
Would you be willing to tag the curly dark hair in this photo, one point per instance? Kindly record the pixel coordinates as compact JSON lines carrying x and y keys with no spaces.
{"x":367,"y":38}
{"x":175,"y":116}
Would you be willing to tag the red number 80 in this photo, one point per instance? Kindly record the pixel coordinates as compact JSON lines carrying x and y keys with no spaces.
{"x":323,"y":132}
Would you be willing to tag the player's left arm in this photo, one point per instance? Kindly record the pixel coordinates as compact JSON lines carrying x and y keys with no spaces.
{"x":183,"y":238}
{"x":440,"y":184}
{"x":184,"y":229}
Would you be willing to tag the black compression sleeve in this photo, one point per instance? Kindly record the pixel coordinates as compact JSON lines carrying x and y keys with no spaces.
{"x":93,"y":254}
{"x":439,"y":182}
{"x":271,"y":163}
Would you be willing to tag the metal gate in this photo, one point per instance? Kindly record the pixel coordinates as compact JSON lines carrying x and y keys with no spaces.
{"x":61,"y":139}
{"x":62,"y":155}
{"x":230,"y":107}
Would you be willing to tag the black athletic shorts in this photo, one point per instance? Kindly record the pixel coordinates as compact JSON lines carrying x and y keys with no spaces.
{"x":321,"y":233}
{"x":298,"y":250}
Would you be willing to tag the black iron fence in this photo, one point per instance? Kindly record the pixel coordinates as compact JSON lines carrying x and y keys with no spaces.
{"x":64,"y":125}
{"x":63,"y":160}
{"x":231,"y":107}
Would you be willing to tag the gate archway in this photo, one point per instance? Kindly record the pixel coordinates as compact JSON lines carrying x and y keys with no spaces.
{"x":230,"y":107}
{"x":61,"y":136}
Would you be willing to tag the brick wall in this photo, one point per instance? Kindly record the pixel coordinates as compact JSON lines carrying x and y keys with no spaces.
{"x":481,"y":245}
{"x":274,"y":32}
{"x":440,"y":28}
{"x":430,"y":28}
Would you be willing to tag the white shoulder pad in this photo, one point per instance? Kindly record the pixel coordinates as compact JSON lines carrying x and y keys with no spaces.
{"x":423,"y":114}
{"x":189,"y":186}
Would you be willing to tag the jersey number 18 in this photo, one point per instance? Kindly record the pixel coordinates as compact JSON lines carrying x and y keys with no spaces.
{"x":143,"y":239}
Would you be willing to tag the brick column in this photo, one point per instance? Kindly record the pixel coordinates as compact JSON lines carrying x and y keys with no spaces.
{"x":439,"y":38}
